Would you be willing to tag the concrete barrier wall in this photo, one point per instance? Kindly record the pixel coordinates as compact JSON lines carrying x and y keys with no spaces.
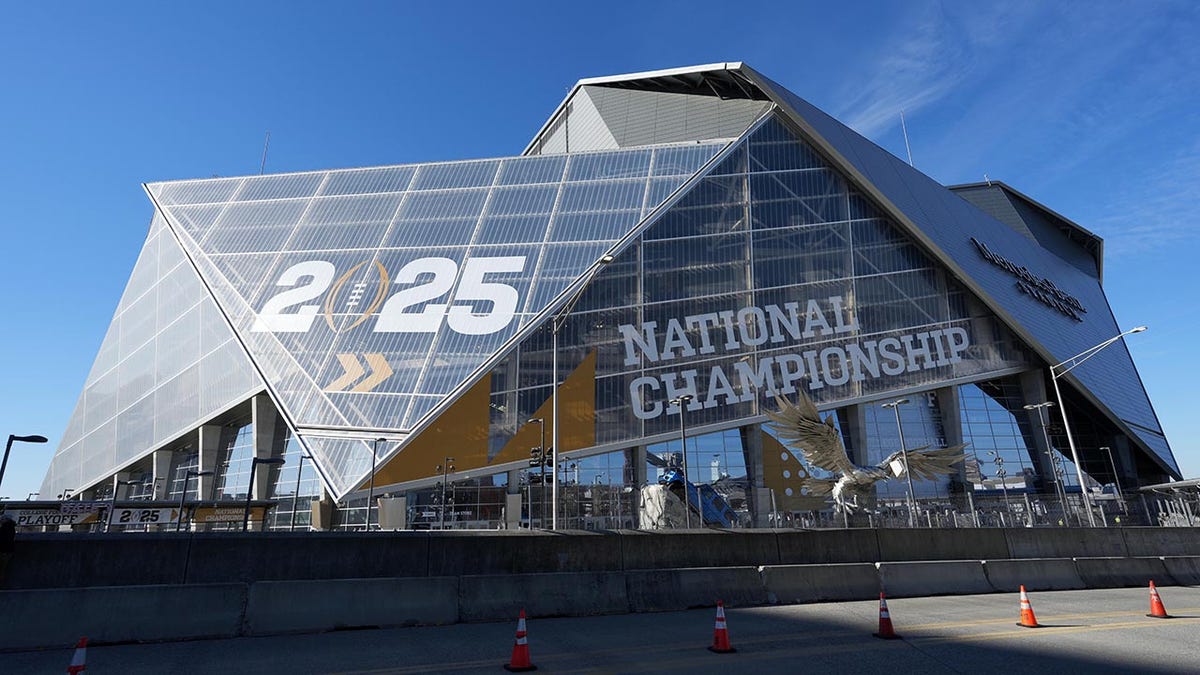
{"x":1120,"y":572}
{"x":799,"y":547}
{"x":274,"y":607}
{"x":641,"y":550}
{"x":1066,"y":542}
{"x":1175,"y":541}
{"x":1036,"y":574}
{"x":74,"y":560}
{"x":794,"y":584}
{"x":499,"y":597}
{"x":1185,"y":570}
{"x":939,"y":544}
{"x":668,"y":590}
{"x":946,"y":577}
{"x":515,"y":552}
{"x":224,"y":557}
{"x":59,"y":617}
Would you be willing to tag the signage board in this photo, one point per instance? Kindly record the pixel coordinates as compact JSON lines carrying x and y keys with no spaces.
{"x":143,"y":516}
{"x":227,"y":514}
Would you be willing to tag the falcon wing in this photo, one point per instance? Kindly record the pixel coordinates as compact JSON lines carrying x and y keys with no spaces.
{"x":928,"y":464}
{"x":800,"y":427}
{"x":817,"y":487}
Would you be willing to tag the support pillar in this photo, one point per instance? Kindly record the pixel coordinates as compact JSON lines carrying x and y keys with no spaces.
{"x":1033,"y":391}
{"x":760,"y":496}
{"x":947,"y":403}
{"x":208,"y":445}
{"x":514,"y":501}
{"x":262,"y":419}
{"x":161,"y":470}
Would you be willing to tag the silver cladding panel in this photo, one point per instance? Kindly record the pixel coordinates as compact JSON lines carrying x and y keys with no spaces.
{"x":599,"y":118}
{"x":168,"y":363}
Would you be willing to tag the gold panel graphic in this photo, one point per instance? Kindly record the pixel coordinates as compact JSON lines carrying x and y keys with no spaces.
{"x":786,"y":475}
{"x":462,"y":431}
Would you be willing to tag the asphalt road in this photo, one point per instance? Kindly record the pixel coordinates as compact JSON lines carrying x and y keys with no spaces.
{"x":1101,"y":631}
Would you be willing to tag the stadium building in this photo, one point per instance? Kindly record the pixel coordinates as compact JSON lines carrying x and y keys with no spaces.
{"x":699,"y":235}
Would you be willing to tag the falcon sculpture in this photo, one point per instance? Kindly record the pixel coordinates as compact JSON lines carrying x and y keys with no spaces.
{"x":801,"y":428}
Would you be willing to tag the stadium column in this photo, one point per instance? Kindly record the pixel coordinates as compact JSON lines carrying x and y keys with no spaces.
{"x":947,"y":403}
{"x":636,"y":457}
{"x":760,"y":495}
{"x":208,"y":443}
{"x":161,"y":468}
{"x":1033,"y":391}
{"x":513,"y":501}
{"x":263,"y":418}
{"x":119,"y":490}
{"x":853,"y":423}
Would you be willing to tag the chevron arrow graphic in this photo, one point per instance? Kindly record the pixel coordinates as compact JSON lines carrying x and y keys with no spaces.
{"x":377,"y":370}
{"x":381,"y":371}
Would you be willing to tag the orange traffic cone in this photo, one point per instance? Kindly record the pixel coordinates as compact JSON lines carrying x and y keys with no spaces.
{"x":720,"y":643}
{"x":1028,"y":620}
{"x":885,"y":622}
{"x":79,"y":660}
{"x":1157,"y":610}
{"x":520,"y":655}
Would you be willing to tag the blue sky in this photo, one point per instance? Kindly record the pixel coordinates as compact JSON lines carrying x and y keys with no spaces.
{"x":1092,"y":108}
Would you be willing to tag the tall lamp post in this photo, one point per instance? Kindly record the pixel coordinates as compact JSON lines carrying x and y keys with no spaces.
{"x":1057,"y":371}
{"x":912,"y":498}
{"x":254,"y":462}
{"x":445,"y":468}
{"x":296,"y":492}
{"x":682,"y":402}
{"x":183,"y":492}
{"x":371,"y":490}
{"x":560,"y":320}
{"x":1059,"y":488}
{"x":1116,"y":478}
{"x":8,"y":447}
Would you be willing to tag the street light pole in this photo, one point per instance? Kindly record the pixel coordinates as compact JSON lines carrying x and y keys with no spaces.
{"x":556,"y":325}
{"x":1059,"y":488}
{"x":371,"y":490}
{"x":912,"y":497}
{"x":1074,"y":362}
{"x":8,"y":447}
{"x":183,"y":493}
{"x":682,"y":402}
{"x":1116,"y":478}
{"x":254,"y":462}
{"x":296,"y":492}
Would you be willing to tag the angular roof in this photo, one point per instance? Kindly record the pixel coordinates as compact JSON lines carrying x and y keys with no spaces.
{"x":445,"y":266}
{"x":947,"y":225}
{"x":505,"y":238}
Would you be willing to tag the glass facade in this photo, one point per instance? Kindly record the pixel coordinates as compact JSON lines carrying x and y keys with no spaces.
{"x":769,"y":276}
{"x":168,"y":363}
{"x":678,"y":276}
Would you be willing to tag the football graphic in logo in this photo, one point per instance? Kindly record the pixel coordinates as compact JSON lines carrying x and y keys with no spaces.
{"x":355,"y":296}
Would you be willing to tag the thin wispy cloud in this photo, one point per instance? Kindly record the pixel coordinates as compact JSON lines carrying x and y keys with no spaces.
{"x":913,"y":70}
{"x":926,"y":57}
{"x":1155,"y":210}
